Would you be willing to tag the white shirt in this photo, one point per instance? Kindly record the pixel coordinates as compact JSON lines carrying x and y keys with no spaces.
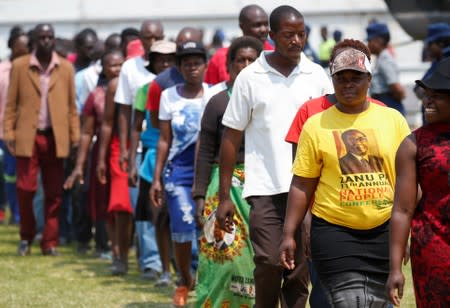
{"x":264,"y":103}
{"x":85,"y":82}
{"x":133,"y":75}
{"x":185,"y":115}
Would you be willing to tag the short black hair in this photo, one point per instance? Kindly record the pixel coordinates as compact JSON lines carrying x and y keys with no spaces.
{"x":385,"y":37}
{"x":14,"y":34}
{"x":243,"y":14}
{"x":81,"y":36}
{"x":243,"y":42}
{"x":281,"y":12}
{"x":129,"y":32}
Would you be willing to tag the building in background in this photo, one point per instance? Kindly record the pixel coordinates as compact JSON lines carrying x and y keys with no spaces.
{"x":108,"y":16}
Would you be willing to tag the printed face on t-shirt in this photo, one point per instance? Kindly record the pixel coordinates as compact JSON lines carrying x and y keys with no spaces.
{"x":360,"y":153}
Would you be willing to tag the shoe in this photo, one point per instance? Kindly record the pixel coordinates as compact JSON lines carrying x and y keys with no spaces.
{"x":103,"y":255}
{"x":180,"y":297}
{"x":164,"y":280}
{"x":38,"y":237}
{"x":52,"y":252}
{"x":83,"y":248}
{"x":149,"y":274}
{"x":119,"y":268}
{"x":2,"y":216}
{"x":23,"y":249}
{"x":13,"y":221}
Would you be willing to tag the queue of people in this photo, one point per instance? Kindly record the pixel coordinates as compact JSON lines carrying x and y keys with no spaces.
{"x":246,"y":177}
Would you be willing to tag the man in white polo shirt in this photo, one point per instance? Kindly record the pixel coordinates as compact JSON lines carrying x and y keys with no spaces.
{"x":266,"y":96}
{"x":134,"y":75}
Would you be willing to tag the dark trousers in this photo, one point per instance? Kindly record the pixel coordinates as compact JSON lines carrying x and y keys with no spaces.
{"x":52,"y":172}
{"x":273,"y":284}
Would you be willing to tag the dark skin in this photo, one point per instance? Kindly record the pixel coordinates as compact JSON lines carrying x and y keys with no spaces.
{"x":192,"y":67}
{"x":244,"y":57}
{"x":19,"y":47}
{"x":151,"y":31}
{"x":111,"y":68}
{"x":159,"y":64}
{"x":255,"y":22}
{"x":289,"y":42}
{"x":44,"y":47}
{"x":350,"y":91}
{"x":86,"y":50}
{"x":106,"y":129}
{"x":121,"y":228}
{"x":185,"y":35}
{"x":376,"y":46}
{"x":437,"y":110}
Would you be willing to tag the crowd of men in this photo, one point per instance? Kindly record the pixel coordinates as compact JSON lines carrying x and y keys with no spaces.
{"x":61,"y":150}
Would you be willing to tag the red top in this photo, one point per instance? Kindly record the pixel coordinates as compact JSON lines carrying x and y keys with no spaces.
{"x":153,"y":97}
{"x":217,"y":65}
{"x":307,"y":110}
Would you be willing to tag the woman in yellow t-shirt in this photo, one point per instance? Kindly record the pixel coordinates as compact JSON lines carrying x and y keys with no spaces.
{"x":345,"y":157}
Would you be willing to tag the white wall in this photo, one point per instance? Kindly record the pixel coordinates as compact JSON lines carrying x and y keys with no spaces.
{"x":108,"y":16}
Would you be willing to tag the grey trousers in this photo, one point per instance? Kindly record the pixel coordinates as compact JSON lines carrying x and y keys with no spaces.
{"x":355,"y":290}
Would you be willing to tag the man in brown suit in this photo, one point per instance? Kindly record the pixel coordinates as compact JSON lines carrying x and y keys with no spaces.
{"x":40,"y":126}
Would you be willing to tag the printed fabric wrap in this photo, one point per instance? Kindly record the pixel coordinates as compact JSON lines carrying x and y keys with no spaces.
{"x":225,"y":272}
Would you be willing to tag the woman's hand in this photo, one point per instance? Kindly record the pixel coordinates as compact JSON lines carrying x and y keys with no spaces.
{"x":156,"y":193}
{"x":394,"y":287}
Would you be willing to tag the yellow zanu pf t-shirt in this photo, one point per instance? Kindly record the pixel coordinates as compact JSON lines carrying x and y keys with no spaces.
{"x":353,"y":155}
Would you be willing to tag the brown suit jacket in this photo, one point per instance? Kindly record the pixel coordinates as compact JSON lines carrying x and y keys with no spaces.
{"x":23,"y":105}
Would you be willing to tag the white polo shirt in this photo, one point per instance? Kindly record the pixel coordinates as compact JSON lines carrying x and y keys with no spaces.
{"x":133,"y":75}
{"x":264,"y":103}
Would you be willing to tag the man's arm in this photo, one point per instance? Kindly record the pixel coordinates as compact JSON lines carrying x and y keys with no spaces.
{"x":134,"y":142}
{"x":231,"y":142}
{"x":164,"y":143}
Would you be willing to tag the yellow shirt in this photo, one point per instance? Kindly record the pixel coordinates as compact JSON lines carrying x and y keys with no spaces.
{"x":353,"y":155}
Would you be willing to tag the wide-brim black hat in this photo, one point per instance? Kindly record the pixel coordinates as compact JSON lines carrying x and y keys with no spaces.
{"x":439,"y":79}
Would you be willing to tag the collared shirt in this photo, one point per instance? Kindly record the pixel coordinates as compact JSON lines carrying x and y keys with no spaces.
{"x":264,"y":103}
{"x":217,"y":66}
{"x":133,"y":75}
{"x":85,"y":82}
{"x":44,"y":78}
{"x":5,"y":69}
{"x":384,"y":73}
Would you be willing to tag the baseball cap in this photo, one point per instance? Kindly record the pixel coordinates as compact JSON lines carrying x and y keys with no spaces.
{"x":376,"y":29}
{"x":164,"y":47}
{"x":439,"y":79}
{"x":437,"y":31}
{"x":350,"y":59}
{"x":191,"y":48}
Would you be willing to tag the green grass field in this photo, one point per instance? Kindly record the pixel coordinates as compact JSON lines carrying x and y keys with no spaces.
{"x":71,"y":280}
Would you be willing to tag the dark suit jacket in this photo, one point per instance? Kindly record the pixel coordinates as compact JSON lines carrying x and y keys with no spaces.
{"x":350,"y":164}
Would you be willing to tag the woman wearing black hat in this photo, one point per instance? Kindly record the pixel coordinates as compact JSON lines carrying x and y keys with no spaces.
{"x":423,"y":158}
{"x":179,"y":114}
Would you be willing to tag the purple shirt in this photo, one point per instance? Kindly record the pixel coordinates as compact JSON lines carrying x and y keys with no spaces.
{"x":44,"y":78}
